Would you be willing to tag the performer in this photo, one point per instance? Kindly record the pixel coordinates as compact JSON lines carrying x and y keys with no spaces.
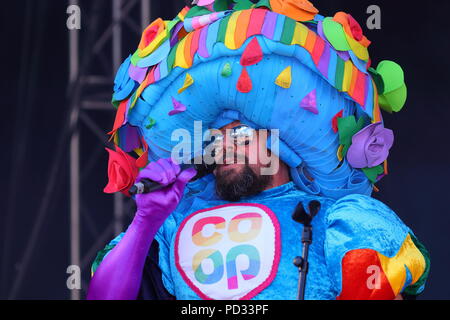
{"x":241,"y":67}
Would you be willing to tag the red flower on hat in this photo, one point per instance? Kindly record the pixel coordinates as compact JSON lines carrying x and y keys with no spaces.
{"x":151,"y":32}
{"x":122,"y":172}
{"x":352,"y":28}
{"x":355,"y":28}
{"x":152,"y":37}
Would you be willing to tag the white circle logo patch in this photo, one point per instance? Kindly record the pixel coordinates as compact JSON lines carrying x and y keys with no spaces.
{"x":229,"y":252}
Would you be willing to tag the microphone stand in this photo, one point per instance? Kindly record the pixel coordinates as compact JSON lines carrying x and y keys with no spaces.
{"x":301,"y":216}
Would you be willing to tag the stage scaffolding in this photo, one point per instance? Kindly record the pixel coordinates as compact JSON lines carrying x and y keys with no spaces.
{"x":82,"y":82}
{"x":103,"y":25}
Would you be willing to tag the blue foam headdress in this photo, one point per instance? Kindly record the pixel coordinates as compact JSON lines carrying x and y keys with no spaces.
{"x":270,"y":67}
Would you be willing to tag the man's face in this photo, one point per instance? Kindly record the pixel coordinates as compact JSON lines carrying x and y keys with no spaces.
{"x":239,"y":170}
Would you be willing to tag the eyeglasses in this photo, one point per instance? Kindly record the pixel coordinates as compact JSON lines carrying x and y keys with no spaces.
{"x":240,"y":135}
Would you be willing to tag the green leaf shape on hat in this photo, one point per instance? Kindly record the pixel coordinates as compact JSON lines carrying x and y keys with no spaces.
{"x":242,"y":5}
{"x":348,"y":127}
{"x":393,"y":101}
{"x":392,"y":74}
{"x":135,"y":58}
{"x":151,"y":123}
{"x":222,"y":5}
{"x":171,"y":24}
{"x":373,"y":173}
{"x":115,"y":103}
{"x":264,"y":3}
{"x":377,"y":79}
{"x":197,"y":11}
{"x":335,"y":34}
{"x":227,"y":70}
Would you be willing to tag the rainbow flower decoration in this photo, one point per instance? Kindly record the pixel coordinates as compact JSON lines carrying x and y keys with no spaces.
{"x":345,"y":34}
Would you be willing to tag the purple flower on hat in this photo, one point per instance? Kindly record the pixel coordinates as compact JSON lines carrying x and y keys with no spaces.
{"x":370,"y":146}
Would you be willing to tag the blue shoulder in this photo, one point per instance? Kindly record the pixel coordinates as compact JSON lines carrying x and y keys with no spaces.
{"x":362,"y":222}
{"x":363,"y":232}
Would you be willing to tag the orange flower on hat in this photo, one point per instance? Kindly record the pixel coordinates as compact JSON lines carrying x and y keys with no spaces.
{"x":299,"y":10}
{"x":152,"y":37}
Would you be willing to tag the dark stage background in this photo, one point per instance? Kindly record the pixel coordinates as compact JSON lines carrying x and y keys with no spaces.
{"x":34,"y":105}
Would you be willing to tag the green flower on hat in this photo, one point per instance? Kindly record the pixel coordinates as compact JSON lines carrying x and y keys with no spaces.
{"x":390,"y":81}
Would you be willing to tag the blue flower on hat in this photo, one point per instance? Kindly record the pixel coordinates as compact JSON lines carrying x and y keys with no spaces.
{"x":123,"y":84}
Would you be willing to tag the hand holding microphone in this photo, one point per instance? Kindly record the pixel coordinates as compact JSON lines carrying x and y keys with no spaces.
{"x":146,"y":185}
{"x":171,"y":182}
{"x":119,"y":275}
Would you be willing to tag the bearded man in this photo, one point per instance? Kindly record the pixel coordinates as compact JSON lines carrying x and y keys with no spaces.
{"x":244,"y":68}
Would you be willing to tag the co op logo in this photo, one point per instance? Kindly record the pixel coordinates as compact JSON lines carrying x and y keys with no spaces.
{"x":229,"y":251}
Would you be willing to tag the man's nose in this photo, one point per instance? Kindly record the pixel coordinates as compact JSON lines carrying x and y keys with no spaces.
{"x":227,"y":149}
{"x":228,"y":144}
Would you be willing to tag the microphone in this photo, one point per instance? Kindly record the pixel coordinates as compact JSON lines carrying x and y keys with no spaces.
{"x":147,"y":185}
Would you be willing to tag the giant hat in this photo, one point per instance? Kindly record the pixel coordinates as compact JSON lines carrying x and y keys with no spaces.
{"x":273,"y":64}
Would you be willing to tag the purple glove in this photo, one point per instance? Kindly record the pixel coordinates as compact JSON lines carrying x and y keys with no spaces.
{"x":159,"y":204}
{"x":119,"y":275}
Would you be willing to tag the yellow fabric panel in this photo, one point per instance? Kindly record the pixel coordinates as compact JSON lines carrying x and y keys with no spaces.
{"x":394,"y":268}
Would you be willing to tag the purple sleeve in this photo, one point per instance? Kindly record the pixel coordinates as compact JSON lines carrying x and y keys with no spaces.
{"x":119,"y":275}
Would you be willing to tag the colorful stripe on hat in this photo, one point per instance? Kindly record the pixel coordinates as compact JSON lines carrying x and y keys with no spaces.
{"x":182,"y":14}
{"x":195,"y":23}
{"x":235,"y":28}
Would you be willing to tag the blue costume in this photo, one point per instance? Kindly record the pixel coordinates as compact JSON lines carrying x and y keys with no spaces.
{"x":341,"y":228}
{"x":275,"y":68}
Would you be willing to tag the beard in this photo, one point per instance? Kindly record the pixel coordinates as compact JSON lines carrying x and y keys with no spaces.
{"x":233,"y":186}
